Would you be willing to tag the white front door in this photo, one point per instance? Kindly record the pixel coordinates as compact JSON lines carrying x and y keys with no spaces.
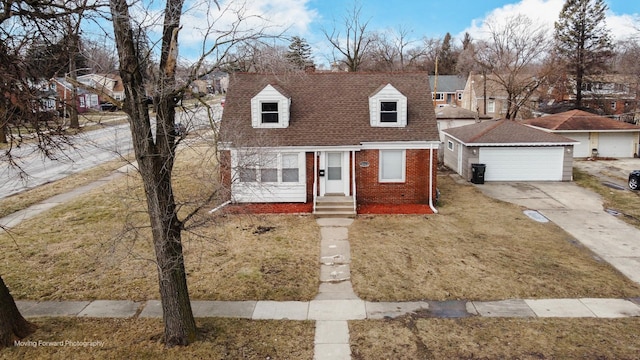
{"x":334,"y":177}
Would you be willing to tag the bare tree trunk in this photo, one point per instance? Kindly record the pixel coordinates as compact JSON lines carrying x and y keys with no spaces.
{"x":12,"y":324}
{"x":3,"y":133}
{"x":155,"y":161}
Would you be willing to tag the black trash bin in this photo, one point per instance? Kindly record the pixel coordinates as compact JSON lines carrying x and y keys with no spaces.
{"x":477,"y":173}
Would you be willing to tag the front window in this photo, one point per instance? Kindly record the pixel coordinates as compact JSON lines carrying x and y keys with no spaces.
{"x":271,"y":168}
{"x":614,"y":105}
{"x":392,"y":165}
{"x":269,"y":112}
{"x":491,"y":106}
{"x":248,"y":174}
{"x":437,"y":96}
{"x":290,"y":171}
{"x":388,"y":111}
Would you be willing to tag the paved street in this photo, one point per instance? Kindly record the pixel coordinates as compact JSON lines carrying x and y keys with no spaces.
{"x":89,"y":149}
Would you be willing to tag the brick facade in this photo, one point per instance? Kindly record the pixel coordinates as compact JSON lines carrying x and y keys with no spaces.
{"x":413,"y":191}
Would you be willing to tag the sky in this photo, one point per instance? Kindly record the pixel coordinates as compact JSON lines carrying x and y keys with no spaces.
{"x":423,"y":18}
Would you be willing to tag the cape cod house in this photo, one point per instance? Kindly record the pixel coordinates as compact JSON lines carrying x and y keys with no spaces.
{"x":330,"y":141}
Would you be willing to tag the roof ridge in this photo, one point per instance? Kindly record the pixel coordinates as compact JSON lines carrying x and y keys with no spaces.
{"x":487,"y":130}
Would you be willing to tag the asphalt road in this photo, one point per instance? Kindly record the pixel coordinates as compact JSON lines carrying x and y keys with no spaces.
{"x":89,"y":149}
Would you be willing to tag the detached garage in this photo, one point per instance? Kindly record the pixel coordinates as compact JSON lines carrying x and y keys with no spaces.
{"x":598,"y":135}
{"x":510,"y":151}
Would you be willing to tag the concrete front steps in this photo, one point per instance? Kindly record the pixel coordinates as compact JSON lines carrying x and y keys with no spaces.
{"x":335,"y":206}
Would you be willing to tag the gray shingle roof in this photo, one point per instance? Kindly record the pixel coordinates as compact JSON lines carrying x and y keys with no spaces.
{"x":327,"y":109}
{"x":448,"y":83}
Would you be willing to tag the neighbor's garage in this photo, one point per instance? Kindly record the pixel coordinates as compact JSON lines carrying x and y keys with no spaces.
{"x":617,"y":145}
{"x":522,"y":163}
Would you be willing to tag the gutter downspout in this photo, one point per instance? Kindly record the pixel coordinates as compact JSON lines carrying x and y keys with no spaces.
{"x":315,"y":179}
{"x":431,"y":179}
{"x":220,"y":207}
{"x":353,"y":172}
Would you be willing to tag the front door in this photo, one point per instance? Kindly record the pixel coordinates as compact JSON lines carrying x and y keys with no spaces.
{"x":334,"y":175}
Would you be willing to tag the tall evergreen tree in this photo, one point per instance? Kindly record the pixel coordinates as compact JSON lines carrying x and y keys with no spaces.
{"x":448,"y":56}
{"x":582,"y":39}
{"x":299,"y":53}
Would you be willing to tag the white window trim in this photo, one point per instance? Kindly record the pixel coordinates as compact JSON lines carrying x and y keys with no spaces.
{"x":402,"y":179}
{"x":491,"y":106}
{"x":450,"y":145}
{"x":388,"y":94}
{"x":270,"y":95}
{"x":279,"y":167}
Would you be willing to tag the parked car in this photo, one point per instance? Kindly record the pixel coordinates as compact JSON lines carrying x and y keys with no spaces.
{"x":107,"y":106}
{"x":180,"y":130}
{"x":634,"y":180}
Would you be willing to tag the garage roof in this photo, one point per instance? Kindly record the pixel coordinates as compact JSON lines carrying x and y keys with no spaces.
{"x":579,"y":120}
{"x":506,"y":133}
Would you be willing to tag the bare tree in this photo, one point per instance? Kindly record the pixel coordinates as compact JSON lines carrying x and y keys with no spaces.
{"x":392,"y":50}
{"x":512,"y":57}
{"x":257,"y":56}
{"x":354,"y":44}
{"x":21,"y":103}
{"x":156,"y":150}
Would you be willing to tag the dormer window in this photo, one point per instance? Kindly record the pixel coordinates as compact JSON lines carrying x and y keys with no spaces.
{"x":388,"y":108}
{"x":270,"y":108}
{"x":388,"y":111}
{"x":269,"y":112}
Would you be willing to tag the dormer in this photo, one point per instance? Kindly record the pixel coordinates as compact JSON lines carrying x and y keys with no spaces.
{"x":388,"y":108}
{"x":270,"y":109}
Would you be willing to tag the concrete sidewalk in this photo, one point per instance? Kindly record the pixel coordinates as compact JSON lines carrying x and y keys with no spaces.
{"x":342,"y":310}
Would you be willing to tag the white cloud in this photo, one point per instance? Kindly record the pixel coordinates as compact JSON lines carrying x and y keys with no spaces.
{"x":202,"y":17}
{"x":546,"y":12}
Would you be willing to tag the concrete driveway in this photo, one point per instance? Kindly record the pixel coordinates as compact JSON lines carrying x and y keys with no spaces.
{"x":580,"y":213}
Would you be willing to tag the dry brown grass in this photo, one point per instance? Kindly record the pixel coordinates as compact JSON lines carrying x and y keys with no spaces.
{"x":24,"y":200}
{"x":489,"y":338}
{"x":476,"y":248}
{"x":99,"y":247}
{"x":138,"y":339}
{"x":624,"y":201}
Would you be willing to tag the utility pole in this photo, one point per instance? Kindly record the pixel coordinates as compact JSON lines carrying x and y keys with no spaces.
{"x":435,"y":85}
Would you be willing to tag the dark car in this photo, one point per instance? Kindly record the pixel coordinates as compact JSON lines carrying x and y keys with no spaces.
{"x":634,"y":179}
{"x":107,"y":106}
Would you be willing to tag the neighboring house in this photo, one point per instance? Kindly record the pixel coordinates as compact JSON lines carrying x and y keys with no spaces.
{"x":488,"y":98}
{"x":367,"y":138}
{"x":609,"y":94}
{"x":510,"y":151}
{"x":447,"y":89}
{"x":109,"y":84}
{"x":64,"y":93}
{"x":598,"y":135}
{"x":452,"y":116}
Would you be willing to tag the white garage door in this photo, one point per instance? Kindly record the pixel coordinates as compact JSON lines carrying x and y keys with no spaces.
{"x":522,"y":163}
{"x":619,"y":145}
{"x":584,"y":148}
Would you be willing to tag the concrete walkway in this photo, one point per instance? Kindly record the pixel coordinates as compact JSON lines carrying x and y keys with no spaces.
{"x":336,"y":302}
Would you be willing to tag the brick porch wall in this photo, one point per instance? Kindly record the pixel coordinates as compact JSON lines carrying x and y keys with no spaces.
{"x":413,"y":191}
{"x":225,"y":174}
